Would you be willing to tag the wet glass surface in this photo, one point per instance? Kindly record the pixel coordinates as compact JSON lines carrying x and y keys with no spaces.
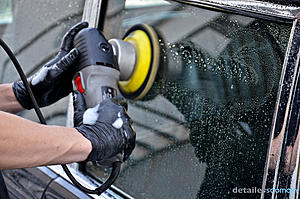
{"x":203,"y":130}
{"x":33,"y":30}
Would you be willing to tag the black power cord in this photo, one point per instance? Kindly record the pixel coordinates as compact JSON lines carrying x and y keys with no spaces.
{"x":23,"y":78}
{"x":116,"y":165}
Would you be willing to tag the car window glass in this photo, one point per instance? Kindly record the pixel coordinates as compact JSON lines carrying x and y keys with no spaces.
{"x":33,"y":30}
{"x":203,"y":129}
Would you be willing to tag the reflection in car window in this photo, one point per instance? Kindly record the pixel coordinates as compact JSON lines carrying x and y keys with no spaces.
{"x":202,"y":131}
{"x":33,"y":29}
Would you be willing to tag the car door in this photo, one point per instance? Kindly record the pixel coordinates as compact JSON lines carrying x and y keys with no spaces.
{"x":203,"y":130}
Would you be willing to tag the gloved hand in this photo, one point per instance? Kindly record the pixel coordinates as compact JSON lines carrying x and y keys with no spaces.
{"x":107,"y":126}
{"x":54,"y":80}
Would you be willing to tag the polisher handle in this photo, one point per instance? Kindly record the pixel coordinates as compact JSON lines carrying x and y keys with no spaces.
{"x":94,"y":49}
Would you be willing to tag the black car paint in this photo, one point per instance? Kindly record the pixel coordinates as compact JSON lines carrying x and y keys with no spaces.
{"x":33,"y":182}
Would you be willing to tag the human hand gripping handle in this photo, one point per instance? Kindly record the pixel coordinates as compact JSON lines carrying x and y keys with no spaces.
{"x":54,"y":80}
{"x":107,"y":126}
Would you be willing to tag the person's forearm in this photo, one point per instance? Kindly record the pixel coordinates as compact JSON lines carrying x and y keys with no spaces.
{"x":27,"y":144}
{"x":8,"y":101}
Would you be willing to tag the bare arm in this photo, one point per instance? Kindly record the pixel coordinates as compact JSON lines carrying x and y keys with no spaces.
{"x":27,"y":144}
{"x":8,"y":101}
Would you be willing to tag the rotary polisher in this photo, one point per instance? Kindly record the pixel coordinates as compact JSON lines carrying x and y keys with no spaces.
{"x":107,"y":68}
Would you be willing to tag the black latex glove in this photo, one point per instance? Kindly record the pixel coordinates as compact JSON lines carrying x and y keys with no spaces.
{"x":107,"y":136}
{"x":54,"y":80}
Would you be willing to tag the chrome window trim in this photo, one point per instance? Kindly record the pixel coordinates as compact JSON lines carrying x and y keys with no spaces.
{"x":85,"y":180}
{"x":282,"y":165}
{"x":252,"y":8}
